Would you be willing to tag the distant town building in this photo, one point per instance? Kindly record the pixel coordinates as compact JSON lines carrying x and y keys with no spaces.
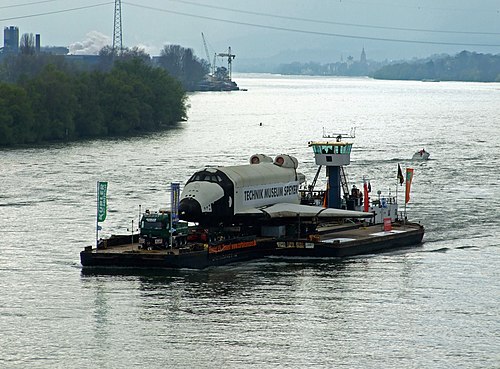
{"x":350,"y":61}
{"x":11,"y":39}
{"x":89,"y":60}
{"x":55,"y":50}
{"x":37,"y":43}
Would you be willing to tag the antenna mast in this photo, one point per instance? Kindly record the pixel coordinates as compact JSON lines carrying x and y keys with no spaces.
{"x":117,"y":31}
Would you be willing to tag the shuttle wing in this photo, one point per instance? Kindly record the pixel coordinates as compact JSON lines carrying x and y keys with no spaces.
{"x":288,"y":210}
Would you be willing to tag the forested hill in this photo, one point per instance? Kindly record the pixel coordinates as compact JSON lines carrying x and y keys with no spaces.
{"x":465,"y":66}
{"x":61,"y":105}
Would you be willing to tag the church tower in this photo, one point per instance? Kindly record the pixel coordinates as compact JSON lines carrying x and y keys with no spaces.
{"x":362,"y":59}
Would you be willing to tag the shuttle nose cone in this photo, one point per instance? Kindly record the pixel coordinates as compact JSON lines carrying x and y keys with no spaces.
{"x":189,"y":210}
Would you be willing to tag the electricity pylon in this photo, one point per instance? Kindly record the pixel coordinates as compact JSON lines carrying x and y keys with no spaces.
{"x":117,"y":32}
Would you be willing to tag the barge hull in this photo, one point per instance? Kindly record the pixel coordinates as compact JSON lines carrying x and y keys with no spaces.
{"x":130,"y":256}
{"x":195,"y":260}
{"x":345,"y":246}
{"x":349,"y":241}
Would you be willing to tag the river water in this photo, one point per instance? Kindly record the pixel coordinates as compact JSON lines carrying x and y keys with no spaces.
{"x":432,"y":306}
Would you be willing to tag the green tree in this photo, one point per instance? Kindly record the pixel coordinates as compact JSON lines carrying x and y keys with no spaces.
{"x":108,"y":56}
{"x":182,"y":64}
{"x":16,"y":117}
{"x":60,"y":105}
{"x":27,"y":44}
{"x":54,"y":101}
{"x":139,"y":97}
{"x":89,"y":115}
{"x":18,"y":67}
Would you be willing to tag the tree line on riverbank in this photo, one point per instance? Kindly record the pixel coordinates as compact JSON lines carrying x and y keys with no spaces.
{"x":52,"y":100}
{"x":349,"y":68}
{"x":179,"y":62}
{"x":45,"y":97}
{"x":465,"y":66}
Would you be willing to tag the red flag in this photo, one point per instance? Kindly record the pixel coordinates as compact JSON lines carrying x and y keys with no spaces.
{"x":409,"y":177}
{"x":400,"y":175}
{"x":366,"y":199}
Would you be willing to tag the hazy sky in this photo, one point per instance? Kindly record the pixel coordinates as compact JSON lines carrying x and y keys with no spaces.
{"x":312,"y":29}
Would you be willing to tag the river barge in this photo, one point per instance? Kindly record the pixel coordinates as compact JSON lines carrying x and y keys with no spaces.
{"x":264,"y":209}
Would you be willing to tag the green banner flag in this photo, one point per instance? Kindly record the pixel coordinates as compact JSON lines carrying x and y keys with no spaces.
{"x":102,"y":202}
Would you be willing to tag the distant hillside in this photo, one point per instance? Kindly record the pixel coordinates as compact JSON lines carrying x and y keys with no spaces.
{"x":465,"y":66}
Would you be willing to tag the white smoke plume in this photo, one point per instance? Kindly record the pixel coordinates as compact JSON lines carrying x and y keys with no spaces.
{"x":94,"y":42}
{"x":149,"y":49}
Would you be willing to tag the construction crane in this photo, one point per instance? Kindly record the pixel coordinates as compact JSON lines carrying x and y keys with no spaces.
{"x":230,"y":58}
{"x":211,"y":66}
{"x":219,"y":78}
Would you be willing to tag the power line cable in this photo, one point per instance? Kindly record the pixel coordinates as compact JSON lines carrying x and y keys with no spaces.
{"x":422,"y":7}
{"x":26,"y":4}
{"x":56,"y":12}
{"x":311,"y":32}
{"x":259,"y":25}
{"x":331,"y":22}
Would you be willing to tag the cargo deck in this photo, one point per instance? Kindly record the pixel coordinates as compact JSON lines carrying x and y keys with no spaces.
{"x":334,"y":241}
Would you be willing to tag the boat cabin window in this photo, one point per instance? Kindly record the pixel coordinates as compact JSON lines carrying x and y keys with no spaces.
{"x":332,"y":149}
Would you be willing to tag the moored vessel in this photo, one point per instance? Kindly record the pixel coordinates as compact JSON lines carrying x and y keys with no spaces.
{"x":220,"y":77}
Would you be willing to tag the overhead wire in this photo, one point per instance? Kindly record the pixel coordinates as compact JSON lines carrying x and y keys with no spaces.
{"x":26,"y":4}
{"x":295,"y":30}
{"x":423,"y":7}
{"x":331,"y":22}
{"x":277,"y":28}
{"x":56,"y":11}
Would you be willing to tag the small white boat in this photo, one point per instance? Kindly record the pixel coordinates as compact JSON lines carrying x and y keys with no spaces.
{"x":421,"y":155}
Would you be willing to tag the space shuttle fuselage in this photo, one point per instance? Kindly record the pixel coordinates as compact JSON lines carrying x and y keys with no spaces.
{"x":216,"y":194}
